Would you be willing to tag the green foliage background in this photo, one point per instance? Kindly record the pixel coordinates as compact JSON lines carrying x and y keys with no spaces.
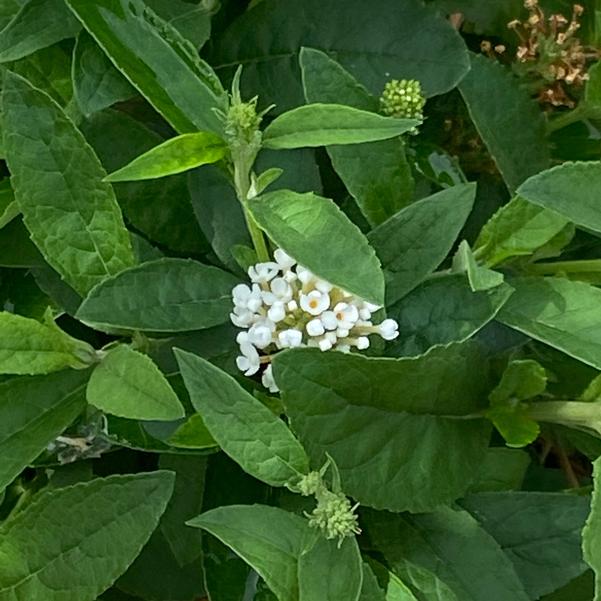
{"x":136,"y":462}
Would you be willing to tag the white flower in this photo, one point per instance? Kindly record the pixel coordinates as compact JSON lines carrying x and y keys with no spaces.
{"x":268,"y":381}
{"x":284,"y":260}
{"x":247,"y":298}
{"x":315,"y":303}
{"x":343,"y":318}
{"x":366,"y":309}
{"x":261,"y":273}
{"x":315,"y":327}
{"x":362,"y":343}
{"x":290,"y":338}
{"x":242,"y":318}
{"x":325,"y":344}
{"x":389,"y":329}
{"x":249,"y":361}
{"x":309,"y":279}
{"x":277,"y":312}
{"x":261,"y":335}
{"x":281,"y":291}
{"x":292,"y":305}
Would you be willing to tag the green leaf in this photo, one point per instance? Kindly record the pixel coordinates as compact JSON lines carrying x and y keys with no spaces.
{"x":330,"y":572}
{"x":324,"y":124}
{"x":166,"y":295}
{"x":33,"y":412}
{"x":349,"y":406}
{"x":39,"y":23}
{"x":269,"y":539}
{"x":128,"y":384}
{"x":49,"y":70}
{"x":314,"y":231}
{"x":376,"y":174}
{"x":569,"y":190}
{"x":509,"y":122}
{"x":558,"y":312}
{"x":517,"y":229}
{"x":173,"y":156}
{"x":450,"y":544}
{"x":503,"y":469}
{"x":193,"y":434}
{"x":591,"y":534}
{"x":521,"y":380}
{"x":185,"y":504}
{"x":395,"y":589}
{"x":424,"y":321}
{"x":539,"y":532}
{"x":158,"y":209}
{"x":412,"y":243}
{"x":233,"y":417}
{"x":403,"y":40}
{"x":92,"y":532}
{"x":513,"y":424}
{"x":72,"y":215}
{"x":29,"y":347}
{"x":370,"y":589}
{"x":480,"y":278}
{"x":580,"y":589}
{"x":9,"y":208}
{"x":96,"y":82}
{"x":157,"y":60}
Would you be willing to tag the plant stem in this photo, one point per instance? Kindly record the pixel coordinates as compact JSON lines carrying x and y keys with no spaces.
{"x":567,"y":413}
{"x":590,"y":266}
{"x":565,"y":119}
{"x":242,"y":185}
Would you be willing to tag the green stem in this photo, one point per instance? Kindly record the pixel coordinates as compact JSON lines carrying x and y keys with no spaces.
{"x":590,"y":266}
{"x":565,"y":119}
{"x":242,"y":184}
{"x":567,"y":413}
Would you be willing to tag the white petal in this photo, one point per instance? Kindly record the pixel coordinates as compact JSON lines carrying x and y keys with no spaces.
{"x":315,"y":328}
{"x":277,"y":312}
{"x":362,"y":343}
{"x":283,"y":259}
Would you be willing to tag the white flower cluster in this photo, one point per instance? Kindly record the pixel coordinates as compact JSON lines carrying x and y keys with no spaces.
{"x":287,"y":306}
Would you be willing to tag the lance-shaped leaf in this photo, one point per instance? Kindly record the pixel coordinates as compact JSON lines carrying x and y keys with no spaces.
{"x":314,"y":231}
{"x":97,"y":84}
{"x":33,"y":412}
{"x":173,"y":156}
{"x":509,"y":121}
{"x":234,"y":417}
{"x":540,"y":532}
{"x":71,"y":214}
{"x":379,"y":418}
{"x":129,"y":384}
{"x":376,"y":174}
{"x":517,"y":229}
{"x":397,"y":40}
{"x":166,"y":295}
{"x":325,"y":124}
{"x":92,"y":532}
{"x":295,"y":563}
{"x":451,"y":545}
{"x":413,"y":243}
{"x":559,"y":312}
{"x":570,"y":190}
{"x":424,"y":321}
{"x":29,"y":347}
{"x":591,"y":534}
{"x":39,"y":23}
{"x":480,"y":277}
{"x":157,"y":60}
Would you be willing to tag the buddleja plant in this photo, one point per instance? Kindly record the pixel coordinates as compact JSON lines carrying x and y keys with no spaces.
{"x":300,"y":300}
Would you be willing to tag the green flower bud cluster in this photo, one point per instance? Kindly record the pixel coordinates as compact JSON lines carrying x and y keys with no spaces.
{"x":403,"y":99}
{"x":242,"y":121}
{"x":334,"y":514}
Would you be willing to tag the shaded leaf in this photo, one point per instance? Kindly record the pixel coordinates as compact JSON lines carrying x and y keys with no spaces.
{"x":349,"y":406}
{"x":128,"y":384}
{"x":233,"y":417}
{"x":166,"y":295}
{"x":73,"y":217}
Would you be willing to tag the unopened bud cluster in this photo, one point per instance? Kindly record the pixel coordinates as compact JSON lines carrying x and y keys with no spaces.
{"x":334,"y":515}
{"x":288,"y":306}
{"x":403,"y":99}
